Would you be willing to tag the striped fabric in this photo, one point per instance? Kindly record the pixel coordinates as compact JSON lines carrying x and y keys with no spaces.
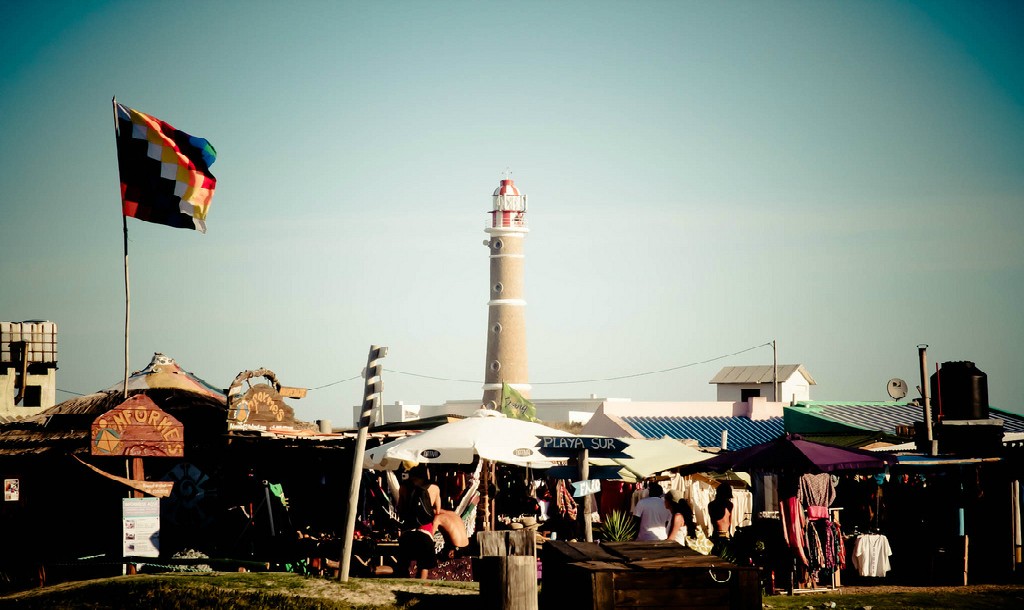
{"x":165,"y":173}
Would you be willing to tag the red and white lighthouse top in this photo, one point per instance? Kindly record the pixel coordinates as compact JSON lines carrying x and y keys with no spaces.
{"x":507,"y":187}
{"x":507,"y":197}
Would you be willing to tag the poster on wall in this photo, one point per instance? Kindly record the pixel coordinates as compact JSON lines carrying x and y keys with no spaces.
{"x":140,"y":527}
{"x":12,"y":490}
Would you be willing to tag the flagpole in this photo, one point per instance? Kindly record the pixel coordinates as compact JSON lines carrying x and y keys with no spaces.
{"x":127,"y":288}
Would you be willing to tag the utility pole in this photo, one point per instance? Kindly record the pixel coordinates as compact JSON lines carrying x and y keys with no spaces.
{"x":922,"y":352}
{"x":371,"y":401}
{"x":775,"y":370}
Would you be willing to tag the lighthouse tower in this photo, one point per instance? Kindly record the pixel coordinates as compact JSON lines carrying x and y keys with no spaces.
{"x":506,"y":309}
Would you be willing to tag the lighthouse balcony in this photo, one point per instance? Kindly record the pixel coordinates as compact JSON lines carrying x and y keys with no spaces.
{"x":507,"y":220}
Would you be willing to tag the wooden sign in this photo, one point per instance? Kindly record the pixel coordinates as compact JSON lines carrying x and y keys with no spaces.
{"x":585,"y":488}
{"x":137,"y":427}
{"x":262,"y":405}
{"x":569,"y":446}
{"x":572,"y":472}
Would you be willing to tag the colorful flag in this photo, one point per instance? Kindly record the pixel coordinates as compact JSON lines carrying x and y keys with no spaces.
{"x":165,"y":173}
{"x":515,"y":405}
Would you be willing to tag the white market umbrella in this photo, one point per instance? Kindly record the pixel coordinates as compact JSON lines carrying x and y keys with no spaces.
{"x":488,"y":434}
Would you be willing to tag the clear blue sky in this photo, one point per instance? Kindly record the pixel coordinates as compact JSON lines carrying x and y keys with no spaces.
{"x":844,"y":177}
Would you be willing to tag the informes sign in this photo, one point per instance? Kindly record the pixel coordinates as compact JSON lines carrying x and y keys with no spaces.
{"x":140,"y":527}
{"x":137,"y":427}
{"x":12,"y":490}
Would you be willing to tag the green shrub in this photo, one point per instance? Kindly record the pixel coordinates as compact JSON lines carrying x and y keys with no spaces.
{"x":618,"y":527}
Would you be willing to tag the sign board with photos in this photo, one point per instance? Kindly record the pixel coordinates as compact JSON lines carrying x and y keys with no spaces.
{"x":140,"y":527}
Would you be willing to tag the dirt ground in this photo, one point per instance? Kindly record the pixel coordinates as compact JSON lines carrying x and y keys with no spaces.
{"x":380,"y":592}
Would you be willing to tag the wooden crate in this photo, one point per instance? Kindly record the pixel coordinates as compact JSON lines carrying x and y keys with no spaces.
{"x":632,"y":575}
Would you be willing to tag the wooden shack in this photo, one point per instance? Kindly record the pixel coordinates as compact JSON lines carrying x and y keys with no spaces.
{"x":626,"y":575}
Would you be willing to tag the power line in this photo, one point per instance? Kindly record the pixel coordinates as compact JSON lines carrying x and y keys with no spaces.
{"x":674,"y":368}
{"x":336,"y":382}
{"x":475,"y":381}
{"x":617,"y":378}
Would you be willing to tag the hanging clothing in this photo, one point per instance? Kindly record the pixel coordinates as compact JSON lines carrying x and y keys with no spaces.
{"x":794,"y":527}
{"x":871,"y":555}
{"x":742,"y":508}
{"x":615,"y":496}
{"x":564,"y":502}
{"x":817,"y":492}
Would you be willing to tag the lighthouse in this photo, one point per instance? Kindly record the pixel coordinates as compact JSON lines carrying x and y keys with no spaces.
{"x":506,"y":309}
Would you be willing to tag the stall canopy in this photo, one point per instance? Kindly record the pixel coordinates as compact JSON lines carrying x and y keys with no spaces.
{"x":487,"y":434}
{"x":163,"y":372}
{"x":648,"y":457}
{"x":792,"y":454}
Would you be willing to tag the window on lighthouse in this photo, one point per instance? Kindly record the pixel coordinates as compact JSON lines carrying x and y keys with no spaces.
{"x":495,"y":365}
{"x":498,"y":287}
{"x":498,"y":244}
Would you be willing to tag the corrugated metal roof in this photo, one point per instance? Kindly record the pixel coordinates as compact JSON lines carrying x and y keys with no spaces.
{"x":760,"y":374}
{"x":707,"y":431}
{"x":885,"y":416}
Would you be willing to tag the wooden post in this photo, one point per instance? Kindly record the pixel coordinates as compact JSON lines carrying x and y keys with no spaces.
{"x":1015,"y":490}
{"x":965,"y":559}
{"x":507,"y":569}
{"x":588,"y":526}
{"x":371,"y":399}
{"x":138,"y":474}
{"x":486,"y":508}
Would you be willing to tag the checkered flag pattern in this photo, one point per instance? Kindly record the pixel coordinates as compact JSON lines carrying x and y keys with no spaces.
{"x":165,"y":172}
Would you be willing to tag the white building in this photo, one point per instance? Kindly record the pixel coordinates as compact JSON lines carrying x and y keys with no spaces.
{"x":28,"y":367}
{"x":743,"y":391}
{"x":740,"y":383}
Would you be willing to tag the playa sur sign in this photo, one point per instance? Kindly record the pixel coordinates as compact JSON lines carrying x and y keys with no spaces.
{"x":137,"y":427}
{"x":567,"y":446}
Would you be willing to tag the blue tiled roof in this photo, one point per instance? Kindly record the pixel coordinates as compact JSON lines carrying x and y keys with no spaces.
{"x":707,"y":431}
{"x":885,"y":416}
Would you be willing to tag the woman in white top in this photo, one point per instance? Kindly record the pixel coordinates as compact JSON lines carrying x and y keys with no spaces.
{"x":681,"y":522}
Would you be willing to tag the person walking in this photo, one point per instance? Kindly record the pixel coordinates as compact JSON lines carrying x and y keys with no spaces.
{"x":653,"y":514}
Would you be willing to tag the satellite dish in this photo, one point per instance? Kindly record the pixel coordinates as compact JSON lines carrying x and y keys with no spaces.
{"x":897,"y":388}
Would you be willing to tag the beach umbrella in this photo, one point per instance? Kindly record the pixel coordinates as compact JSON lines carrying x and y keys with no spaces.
{"x":487,"y":434}
{"x":792,"y":454}
{"x":649,"y":456}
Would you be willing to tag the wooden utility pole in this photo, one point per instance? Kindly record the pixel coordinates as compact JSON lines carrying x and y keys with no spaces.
{"x":775,"y":372}
{"x":371,"y":400}
{"x":588,"y":525}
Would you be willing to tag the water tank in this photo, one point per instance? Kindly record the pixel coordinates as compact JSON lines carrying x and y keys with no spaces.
{"x":960,"y":391}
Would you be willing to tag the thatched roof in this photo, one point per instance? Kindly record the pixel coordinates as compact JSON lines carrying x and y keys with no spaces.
{"x":65,"y":428}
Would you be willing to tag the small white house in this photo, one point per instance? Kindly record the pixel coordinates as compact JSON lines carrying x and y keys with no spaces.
{"x":741,"y":383}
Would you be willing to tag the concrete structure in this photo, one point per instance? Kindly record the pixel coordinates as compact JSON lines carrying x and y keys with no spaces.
{"x":506,"y":309}
{"x":739,"y":383}
{"x":28,"y":366}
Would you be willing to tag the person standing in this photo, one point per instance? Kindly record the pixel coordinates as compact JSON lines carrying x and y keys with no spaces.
{"x":681,"y":524}
{"x":421,"y":503}
{"x":653,"y":514}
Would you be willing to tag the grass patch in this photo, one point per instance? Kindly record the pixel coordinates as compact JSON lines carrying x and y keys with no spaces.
{"x":961,"y":598}
{"x":243,"y":591}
